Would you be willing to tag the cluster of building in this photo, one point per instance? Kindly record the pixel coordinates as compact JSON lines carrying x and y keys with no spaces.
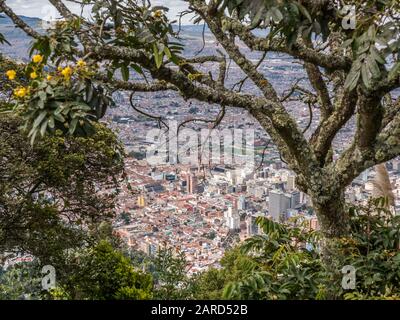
{"x":204,"y":209}
{"x":203,"y":214}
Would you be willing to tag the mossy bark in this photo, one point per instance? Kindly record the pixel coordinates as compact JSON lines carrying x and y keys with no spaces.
{"x":335,"y":224}
{"x":332,"y":216}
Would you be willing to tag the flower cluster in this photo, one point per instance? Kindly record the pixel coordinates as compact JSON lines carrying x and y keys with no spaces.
{"x":56,"y":99}
{"x":66,"y":72}
{"x":35,"y":72}
{"x":157,"y":14}
{"x":36,"y":66}
{"x":21,"y":92}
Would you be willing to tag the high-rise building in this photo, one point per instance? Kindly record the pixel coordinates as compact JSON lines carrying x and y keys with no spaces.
{"x":191,"y":184}
{"x":291,"y":183}
{"x":231,"y":176}
{"x":232,"y":219}
{"x":241,"y":205}
{"x":149,"y":248}
{"x":294,"y":199}
{"x":251,"y":226}
{"x":278,"y":204}
{"x":305,"y":199}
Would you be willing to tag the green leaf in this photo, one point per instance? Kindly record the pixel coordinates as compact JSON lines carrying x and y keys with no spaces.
{"x":40,"y":104}
{"x":229,"y":290}
{"x":167,"y":52}
{"x":158,"y":57}
{"x":51,"y":122}
{"x":73,"y":126}
{"x":394,"y":72}
{"x":33,"y":137}
{"x":42,"y":95}
{"x":304,"y":11}
{"x":59,"y":117}
{"x":373,"y":67}
{"x":347,"y":43}
{"x":257,"y":18}
{"x":125,"y":72}
{"x":352,"y":78}
{"x":43,"y":128}
{"x":89,"y":92}
{"x":366,"y":76}
{"x":3,"y":40}
{"x":276,"y":15}
{"x":137,"y":68}
{"x":376,"y":55}
{"x":49,"y":90}
{"x":39,"y":119}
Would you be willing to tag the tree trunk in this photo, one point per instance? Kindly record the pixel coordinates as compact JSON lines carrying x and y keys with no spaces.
{"x":334,"y":223}
{"x":330,"y":209}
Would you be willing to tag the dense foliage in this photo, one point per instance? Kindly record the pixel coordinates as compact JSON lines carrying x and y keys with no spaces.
{"x":169,"y":268}
{"x":21,"y":282}
{"x":103,"y":273}
{"x":49,"y":193}
{"x":285,"y":262}
{"x":99,"y":272}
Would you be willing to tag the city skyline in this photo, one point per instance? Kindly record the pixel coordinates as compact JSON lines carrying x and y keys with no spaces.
{"x":43,"y":9}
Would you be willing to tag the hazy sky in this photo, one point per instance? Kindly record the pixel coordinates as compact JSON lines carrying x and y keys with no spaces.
{"x":42,"y":8}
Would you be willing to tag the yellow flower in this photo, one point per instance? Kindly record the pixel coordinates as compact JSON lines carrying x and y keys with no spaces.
{"x":81,"y":64}
{"x":34,"y":75}
{"x":37,"y":58}
{"x":60,"y":68}
{"x":49,"y":78}
{"x":11,"y":74}
{"x":20,"y":92}
{"x":67,"y":73}
{"x":157,"y":14}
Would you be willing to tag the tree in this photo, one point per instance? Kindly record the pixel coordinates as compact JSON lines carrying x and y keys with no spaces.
{"x":49,"y":195}
{"x":274,"y":265}
{"x":125,"y":218}
{"x":353,"y":72}
{"x":281,"y":263}
{"x":21,"y":281}
{"x":235,"y":266}
{"x":208,"y":285}
{"x":103,"y":273}
{"x":170,"y":273}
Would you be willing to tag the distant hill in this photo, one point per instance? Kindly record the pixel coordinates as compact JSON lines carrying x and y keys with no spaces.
{"x":192,"y":34}
{"x":4,"y":20}
{"x":20,"y":42}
